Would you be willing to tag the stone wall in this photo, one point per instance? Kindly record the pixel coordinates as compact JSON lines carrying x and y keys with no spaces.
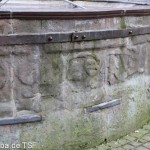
{"x":60,"y":81}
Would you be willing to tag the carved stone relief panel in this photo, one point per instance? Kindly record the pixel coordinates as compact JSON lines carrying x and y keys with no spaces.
{"x":123,"y":65}
{"x":26,"y":76}
{"x":83,"y":70}
{"x":82,"y":79}
{"x":6,"y":109}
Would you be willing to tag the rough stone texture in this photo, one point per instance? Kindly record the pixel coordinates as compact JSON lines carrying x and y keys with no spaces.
{"x":24,"y":26}
{"x":19,"y":74}
{"x":59,"y":81}
{"x":5,"y":27}
{"x":45,"y":26}
{"x":9,"y":135}
{"x":5,"y":83}
{"x":26,"y":77}
{"x":133,"y":22}
{"x":126,"y":63}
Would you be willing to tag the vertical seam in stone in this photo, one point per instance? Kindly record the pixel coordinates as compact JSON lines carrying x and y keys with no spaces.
{"x":11,"y":22}
{"x":12,"y":83}
{"x":41,"y":26}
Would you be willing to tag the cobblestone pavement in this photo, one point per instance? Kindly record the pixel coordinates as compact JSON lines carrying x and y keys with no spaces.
{"x":138,"y":140}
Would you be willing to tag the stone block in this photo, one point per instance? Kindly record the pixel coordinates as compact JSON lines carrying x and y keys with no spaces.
{"x":51,"y":71}
{"x":80,"y":25}
{"x":6,"y":110}
{"x":130,"y":138}
{"x":147,"y":145}
{"x":5,"y":83}
{"x":126,"y":63}
{"x":139,"y":39}
{"x":58,"y":26}
{"x":26,"y":78}
{"x":141,"y":148}
{"x":135,"y":144}
{"x":138,"y":21}
{"x":97,"y":24}
{"x":26,"y":26}
{"x":128,"y":147}
{"x":146,"y":137}
{"x":5,"y":27}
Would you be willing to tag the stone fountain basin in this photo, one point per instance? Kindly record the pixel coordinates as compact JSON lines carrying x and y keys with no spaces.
{"x":72,"y":78}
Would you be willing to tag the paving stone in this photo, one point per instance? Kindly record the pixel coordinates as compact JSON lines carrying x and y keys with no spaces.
{"x":141,"y":140}
{"x":147,"y":145}
{"x":113,"y":144}
{"x":135,"y":143}
{"x":141,"y":148}
{"x":146,"y":137}
{"x":103,"y":147}
{"x":128,"y":147}
{"x":119,"y":148}
{"x":130,"y":138}
{"x":122,"y":141}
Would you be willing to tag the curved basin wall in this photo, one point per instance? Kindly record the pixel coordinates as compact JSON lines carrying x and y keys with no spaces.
{"x":86,"y":91}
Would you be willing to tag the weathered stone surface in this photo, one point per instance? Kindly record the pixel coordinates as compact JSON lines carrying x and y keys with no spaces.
{"x":141,"y":148}
{"x":59,"y":81}
{"x":6,"y":110}
{"x":126,"y":63}
{"x":97,"y":24}
{"x":26,"y":76}
{"x":141,"y":39}
{"x":77,"y":127}
{"x":5,"y":27}
{"x":80,"y":25}
{"x":57,"y":26}
{"x":82,"y":70}
{"x":51,"y":71}
{"x":132,"y":22}
{"x":5,"y":83}
{"x":5,"y":80}
{"x":147,"y":60}
{"x":147,"y":145}
{"x":83,"y":79}
{"x":9,"y":135}
{"x":24,"y":26}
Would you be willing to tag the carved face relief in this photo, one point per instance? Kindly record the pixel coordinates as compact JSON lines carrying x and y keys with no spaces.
{"x":91,"y":66}
{"x":83,"y":69}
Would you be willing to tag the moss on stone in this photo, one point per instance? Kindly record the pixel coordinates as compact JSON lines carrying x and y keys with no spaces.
{"x":122,"y":23}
